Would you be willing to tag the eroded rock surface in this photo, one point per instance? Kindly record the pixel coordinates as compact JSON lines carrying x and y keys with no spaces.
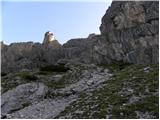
{"x":52,"y":92}
{"x":22,"y":96}
{"x":132,"y":31}
{"x":111,"y":75}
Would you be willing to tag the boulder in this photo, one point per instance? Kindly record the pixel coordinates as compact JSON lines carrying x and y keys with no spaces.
{"x":22,"y":96}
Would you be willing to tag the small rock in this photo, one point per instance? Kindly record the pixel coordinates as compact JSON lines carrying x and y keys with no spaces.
{"x":121,"y":114}
{"x":90,"y":82}
{"x":146,"y":69}
{"x":130,"y":90}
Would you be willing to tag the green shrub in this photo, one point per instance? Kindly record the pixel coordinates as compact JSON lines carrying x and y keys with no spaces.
{"x":44,"y":72}
{"x":54,"y":68}
{"x":27,"y":76}
{"x":115,"y":65}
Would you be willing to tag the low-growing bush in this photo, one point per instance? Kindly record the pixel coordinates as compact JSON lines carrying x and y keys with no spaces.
{"x":116,"y":65}
{"x":54,"y":68}
{"x":27,"y":76}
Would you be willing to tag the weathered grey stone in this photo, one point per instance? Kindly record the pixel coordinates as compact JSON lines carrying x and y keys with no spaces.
{"x":45,"y":109}
{"x":22,"y":96}
{"x":134,"y":26}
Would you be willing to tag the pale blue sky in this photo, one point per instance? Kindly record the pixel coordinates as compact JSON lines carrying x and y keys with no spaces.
{"x":29,"y":20}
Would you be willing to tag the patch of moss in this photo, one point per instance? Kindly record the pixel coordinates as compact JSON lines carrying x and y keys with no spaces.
{"x":115,"y":65}
{"x":149,"y":103}
{"x":55,"y":84}
{"x":123,"y":113}
{"x":51,"y":95}
{"x":25,"y":104}
{"x":44,"y":72}
{"x":7,"y":85}
{"x":27,"y":76}
{"x":116,"y":99}
{"x":11,"y":81}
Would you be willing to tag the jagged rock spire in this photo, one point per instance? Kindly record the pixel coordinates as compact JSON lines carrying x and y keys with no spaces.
{"x":50,"y":40}
{"x":48,"y":37}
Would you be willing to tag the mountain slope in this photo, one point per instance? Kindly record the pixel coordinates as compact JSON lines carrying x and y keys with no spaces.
{"x":111,"y":75}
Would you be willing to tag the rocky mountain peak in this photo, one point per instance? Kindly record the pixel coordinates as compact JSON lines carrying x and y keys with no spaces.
{"x":50,"y":40}
{"x":48,"y":37}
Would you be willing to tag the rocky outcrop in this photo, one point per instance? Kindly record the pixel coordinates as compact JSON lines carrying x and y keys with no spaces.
{"x":22,"y":96}
{"x":50,"y":40}
{"x":129,"y":33}
{"x":29,"y":55}
{"x":132,"y":30}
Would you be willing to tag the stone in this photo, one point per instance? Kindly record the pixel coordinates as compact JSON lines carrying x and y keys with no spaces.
{"x":45,"y":109}
{"x":56,"y":77}
{"x":147,"y":69}
{"x":131,"y":24}
{"x":22,"y":96}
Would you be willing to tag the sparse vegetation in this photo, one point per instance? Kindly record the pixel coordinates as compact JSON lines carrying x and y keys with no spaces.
{"x":55,"y":84}
{"x":129,"y":91}
{"x":11,"y":81}
{"x":115,"y":65}
{"x":54,"y":68}
{"x":115,"y":99}
{"x":44,"y":72}
{"x":27,"y":76}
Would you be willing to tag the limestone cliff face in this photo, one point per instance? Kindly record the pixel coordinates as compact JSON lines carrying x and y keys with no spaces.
{"x":132,"y":30}
{"x":129,"y":33}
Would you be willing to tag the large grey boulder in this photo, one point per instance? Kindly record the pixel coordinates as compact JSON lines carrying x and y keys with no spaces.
{"x":22,"y":96}
{"x":46,"y":109}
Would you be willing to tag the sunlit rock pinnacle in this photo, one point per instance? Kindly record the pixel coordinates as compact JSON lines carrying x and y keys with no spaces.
{"x":50,"y":40}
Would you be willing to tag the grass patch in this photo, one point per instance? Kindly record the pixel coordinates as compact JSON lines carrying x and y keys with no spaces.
{"x":44,"y":72}
{"x":51,"y":95}
{"x":55,"y":84}
{"x":115,"y":65}
{"x":11,"y":81}
{"x":27,"y":76}
{"x":7,"y":85}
